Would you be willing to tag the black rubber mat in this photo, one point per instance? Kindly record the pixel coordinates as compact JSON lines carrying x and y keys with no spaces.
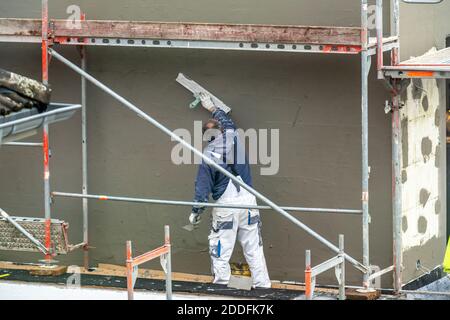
{"x":154,"y":285}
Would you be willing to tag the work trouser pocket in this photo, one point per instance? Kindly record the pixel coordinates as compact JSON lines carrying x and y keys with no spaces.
{"x":223,"y":228}
{"x":254,"y":221}
{"x":221,"y":238}
{"x":260,"y":233}
{"x":253,"y":217}
{"x":222,"y":220}
{"x":222,"y":225}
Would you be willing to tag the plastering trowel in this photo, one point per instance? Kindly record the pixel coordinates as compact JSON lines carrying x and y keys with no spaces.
{"x":196,"y":89}
{"x":190,"y":227}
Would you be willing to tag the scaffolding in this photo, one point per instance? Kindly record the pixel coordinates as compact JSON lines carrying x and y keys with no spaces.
{"x":162,"y":252}
{"x":264,"y":38}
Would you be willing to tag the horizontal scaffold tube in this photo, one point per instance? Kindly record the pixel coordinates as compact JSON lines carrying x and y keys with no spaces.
{"x":209,"y":205}
{"x":24,"y":144}
{"x":208,"y":161}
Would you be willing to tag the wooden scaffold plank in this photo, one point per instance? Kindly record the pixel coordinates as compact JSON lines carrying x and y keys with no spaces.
{"x":350,"y":36}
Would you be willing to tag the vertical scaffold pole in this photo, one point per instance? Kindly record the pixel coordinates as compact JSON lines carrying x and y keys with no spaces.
{"x":167,"y":243}
{"x":379,"y":27}
{"x":84,"y":155}
{"x":342,"y":266}
{"x":129,"y":262}
{"x":396,"y":156}
{"x":308,"y":280}
{"x":365,"y":68}
{"x":45,"y":133}
{"x":397,"y":192}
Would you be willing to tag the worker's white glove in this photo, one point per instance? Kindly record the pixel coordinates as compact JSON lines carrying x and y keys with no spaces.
{"x":195,"y":218}
{"x":206,"y":101}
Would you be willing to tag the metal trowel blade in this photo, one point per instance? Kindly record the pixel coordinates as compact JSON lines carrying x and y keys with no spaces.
{"x":189,"y":227}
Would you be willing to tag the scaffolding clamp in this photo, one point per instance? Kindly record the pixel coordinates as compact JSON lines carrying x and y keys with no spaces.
{"x":163,"y":262}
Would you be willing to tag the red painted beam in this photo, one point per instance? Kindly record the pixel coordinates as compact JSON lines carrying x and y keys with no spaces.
{"x":148,"y":256}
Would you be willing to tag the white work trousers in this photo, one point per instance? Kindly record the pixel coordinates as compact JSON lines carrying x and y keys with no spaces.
{"x":245,"y":224}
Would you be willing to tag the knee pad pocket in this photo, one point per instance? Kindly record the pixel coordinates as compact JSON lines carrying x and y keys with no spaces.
{"x":253,"y":217}
{"x":215,"y":250}
{"x":260,"y":233}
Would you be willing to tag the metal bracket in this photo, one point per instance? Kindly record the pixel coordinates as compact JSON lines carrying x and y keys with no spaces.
{"x":313,"y":285}
{"x":163,"y":261}
{"x":134,"y":274}
{"x":374,"y":282}
{"x":51,"y":31}
{"x":387,"y":107}
{"x":338,"y":272}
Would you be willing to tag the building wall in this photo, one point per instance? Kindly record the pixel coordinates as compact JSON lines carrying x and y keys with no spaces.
{"x":424,"y":145}
{"x":423,"y":200}
{"x":313,"y":100}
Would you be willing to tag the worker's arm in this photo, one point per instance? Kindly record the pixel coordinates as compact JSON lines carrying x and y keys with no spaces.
{"x":203,"y":187}
{"x":224,"y":119}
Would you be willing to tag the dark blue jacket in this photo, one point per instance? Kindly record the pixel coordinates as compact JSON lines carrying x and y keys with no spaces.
{"x":228,"y":151}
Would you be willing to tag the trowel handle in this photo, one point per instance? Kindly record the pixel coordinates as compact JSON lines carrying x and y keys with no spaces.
{"x":195,"y":103}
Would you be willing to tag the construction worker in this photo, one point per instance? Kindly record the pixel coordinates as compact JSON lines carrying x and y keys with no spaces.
{"x":225,"y":149}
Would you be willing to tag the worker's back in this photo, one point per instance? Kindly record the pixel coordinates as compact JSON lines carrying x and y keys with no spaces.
{"x":227,"y":150}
